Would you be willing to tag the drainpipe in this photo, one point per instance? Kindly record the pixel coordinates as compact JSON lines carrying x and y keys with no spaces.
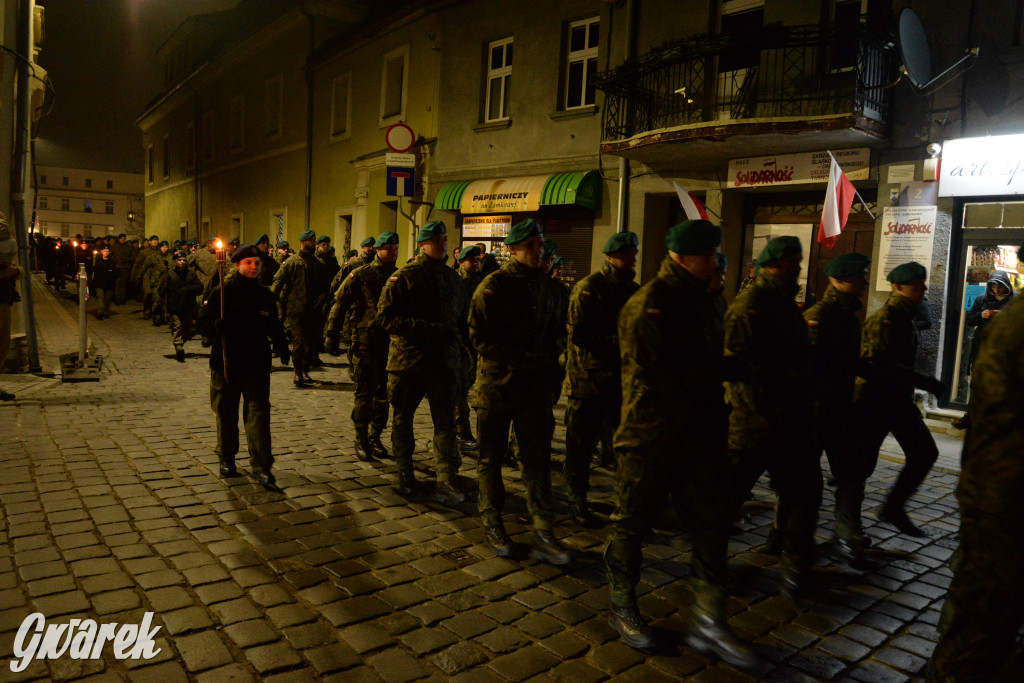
{"x":23,"y":121}
{"x":309,"y":116}
{"x":197,"y":132}
{"x":623,"y":205}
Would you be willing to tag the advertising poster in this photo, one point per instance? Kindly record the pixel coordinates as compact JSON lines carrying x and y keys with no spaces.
{"x":907,"y":235}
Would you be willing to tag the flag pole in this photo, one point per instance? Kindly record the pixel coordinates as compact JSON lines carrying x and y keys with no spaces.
{"x":855,"y":191}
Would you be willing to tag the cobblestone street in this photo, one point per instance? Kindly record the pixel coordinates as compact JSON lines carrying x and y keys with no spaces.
{"x":112,"y":507}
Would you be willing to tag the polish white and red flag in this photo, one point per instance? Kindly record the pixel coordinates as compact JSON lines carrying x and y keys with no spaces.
{"x":838,"y":200}
{"x":691,"y":205}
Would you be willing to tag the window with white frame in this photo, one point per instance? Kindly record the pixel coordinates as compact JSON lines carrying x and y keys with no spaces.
{"x":394,"y":79}
{"x":499,"y":79}
{"x":190,"y":146}
{"x":273,"y":103}
{"x":167,"y":157}
{"x":43,"y":202}
{"x":581,"y":62}
{"x":149,"y":164}
{"x":108,"y":207}
{"x":236,"y":122}
{"x":65,"y":230}
{"x":208,"y":136}
{"x":65,"y":204}
{"x":341,"y":106}
{"x":87,"y":205}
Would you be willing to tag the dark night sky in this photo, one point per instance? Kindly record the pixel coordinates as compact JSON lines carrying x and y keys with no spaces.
{"x":101,"y":59}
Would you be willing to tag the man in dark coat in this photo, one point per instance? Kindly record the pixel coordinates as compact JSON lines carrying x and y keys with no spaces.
{"x":240,"y":364}
{"x":268,"y":265}
{"x":180,"y":287}
{"x":104,"y":280}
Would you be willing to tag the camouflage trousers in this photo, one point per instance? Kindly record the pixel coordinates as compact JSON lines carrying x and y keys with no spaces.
{"x":788,"y":455}
{"x":406,"y":391}
{"x":370,"y":403}
{"x":253,"y":388}
{"x":156,"y":306}
{"x":907,"y":426}
{"x":984,"y":608}
{"x":467,"y":373}
{"x":697,"y":480}
{"x":585,"y":419}
{"x":531,"y":419}
{"x":305,"y":338}
{"x":181,"y":328}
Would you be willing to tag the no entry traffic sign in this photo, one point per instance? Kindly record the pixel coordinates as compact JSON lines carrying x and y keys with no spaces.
{"x":399,"y":138}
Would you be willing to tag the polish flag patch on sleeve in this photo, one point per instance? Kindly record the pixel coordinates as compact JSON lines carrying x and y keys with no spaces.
{"x":352,"y":274}
{"x":488,"y":292}
{"x":393,"y":278}
{"x":653,"y":312}
{"x":812,"y":323}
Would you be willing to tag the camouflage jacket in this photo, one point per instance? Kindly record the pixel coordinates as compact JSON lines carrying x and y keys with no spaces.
{"x":834,"y":332}
{"x":298,"y":286}
{"x":514,"y":328}
{"x":357,"y":261}
{"x":764,"y":328}
{"x":592,"y":357}
{"x":203,"y":263}
{"x":156,"y":266}
{"x":670,"y":355}
{"x":141,"y":259}
{"x":122,"y":254}
{"x":423,"y":308}
{"x":328,"y":267}
{"x":358,"y":297}
{"x":992,"y":474}
{"x":888,"y":347}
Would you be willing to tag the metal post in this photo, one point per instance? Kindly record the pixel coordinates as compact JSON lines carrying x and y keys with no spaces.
{"x":83,"y":297}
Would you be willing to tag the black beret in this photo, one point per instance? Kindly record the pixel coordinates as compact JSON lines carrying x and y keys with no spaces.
{"x":245,"y":251}
{"x":693,"y":237}
{"x":907,"y":272}
{"x":847,"y":265}
{"x":180,"y":254}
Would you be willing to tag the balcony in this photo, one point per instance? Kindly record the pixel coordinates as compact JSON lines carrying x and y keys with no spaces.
{"x":695,"y":104}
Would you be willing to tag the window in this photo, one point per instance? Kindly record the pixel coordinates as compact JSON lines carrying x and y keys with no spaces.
{"x":64,"y":180}
{"x":581,"y":62}
{"x":43,"y":201}
{"x":208,"y":136}
{"x":87,"y":231}
{"x":110,"y":184}
{"x":341,"y":106}
{"x":846,"y":20}
{"x":108,"y":207}
{"x":88,"y":182}
{"x":190,"y":146}
{"x":273,"y":100}
{"x":740,"y":17}
{"x":65,"y":204}
{"x":42,"y":180}
{"x":87,"y":205}
{"x":499,"y":79}
{"x":167,"y":157}
{"x":65,"y":230}
{"x":278,"y":223}
{"x":149,"y":164}
{"x":236,"y":123}
{"x":393,"y":81}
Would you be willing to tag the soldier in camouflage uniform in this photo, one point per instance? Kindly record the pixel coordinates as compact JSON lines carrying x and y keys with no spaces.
{"x":328,"y":269}
{"x":203,"y":262}
{"x":364,"y":258}
{"x":672,"y":440}
{"x":180,"y":287}
{"x":469,"y":272}
{"x":141,"y":262}
{"x":299,"y":291}
{"x":885,"y":400}
{"x":834,"y":331}
{"x":423,"y":308}
{"x":984,"y":608}
{"x":513,"y":325}
{"x":592,"y":369}
{"x":358,"y":296}
{"x":770,"y":425}
{"x":159,"y":262}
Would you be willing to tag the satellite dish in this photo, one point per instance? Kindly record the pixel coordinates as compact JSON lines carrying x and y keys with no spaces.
{"x":916,"y":55}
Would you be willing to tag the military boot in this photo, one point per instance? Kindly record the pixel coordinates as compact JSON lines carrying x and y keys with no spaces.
{"x":407,"y":484}
{"x":179,"y":355}
{"x":364,"y":450}
{"x":498,"y":541}
{"x":632,"y":628}
{"x":579,"y":513}
{"x":894,"y":514}
{"x":449,"y":490}
{"x":377,"y":447}
{"x":710,"y":636}
{"x":227,"y":469}
{"x":547,"y":548}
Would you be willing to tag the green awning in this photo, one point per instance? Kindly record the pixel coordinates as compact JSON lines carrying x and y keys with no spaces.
{"x":521,"y":193}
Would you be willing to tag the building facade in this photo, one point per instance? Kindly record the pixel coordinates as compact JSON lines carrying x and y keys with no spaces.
{"x":72,"y":201}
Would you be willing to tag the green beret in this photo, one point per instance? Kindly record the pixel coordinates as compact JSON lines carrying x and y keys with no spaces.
{"x":721,"y":262}
{"x":322,"y":238}
{"x":235,"y":241}
{"x":163,"y":244}
{"x":191,"y":241}
{"x":282,"y":245}
{"x":523,"y":231}
{"x":548,"y":249}
{"x":847,"y":265}
{"x":263,"y":238}
{"x":351,"y":253}
{"x":152,"y":237}
{"x":621,"y":241}
{"x":430,"y":231}
{"x":778,"y":248}
{"x":693,"y":237}
{"x":558,"y":262}
{"x":368,"y":242}
{"x":307,"y":235}
{"x":468,"y":252}
{"x":907,"y":272}
{"x":385,"y":239}
{"x":211,"y":238}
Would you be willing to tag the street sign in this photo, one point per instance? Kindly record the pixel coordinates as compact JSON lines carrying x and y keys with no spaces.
{"x":400,"y":160}
{"x":400,"y":181}
{"x":399,"y":138}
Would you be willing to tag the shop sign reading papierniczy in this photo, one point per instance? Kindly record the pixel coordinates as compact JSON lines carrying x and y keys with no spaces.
{"x":791,"y":169}
{"x":908,"y":233}
{"x":503,"y":195}
{"x":977,"y":167}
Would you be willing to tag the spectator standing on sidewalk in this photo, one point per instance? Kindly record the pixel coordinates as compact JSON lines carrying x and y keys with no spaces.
{"x":244,"y":338}
{"x":9,"y":274}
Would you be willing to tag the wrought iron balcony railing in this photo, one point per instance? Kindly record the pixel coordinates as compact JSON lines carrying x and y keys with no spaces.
{"x":777,"y":71}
